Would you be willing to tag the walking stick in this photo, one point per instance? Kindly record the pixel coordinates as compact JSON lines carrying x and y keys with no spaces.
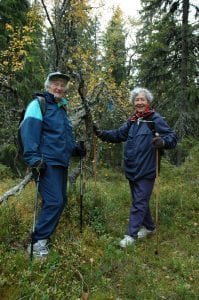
{"x":157,"y":198}
{"x":34,"y":215}
{"x":95,"y":158}
{"x":81,"y":188}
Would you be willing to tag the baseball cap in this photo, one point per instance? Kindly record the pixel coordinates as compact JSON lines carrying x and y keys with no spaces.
{"x":57,"y":75}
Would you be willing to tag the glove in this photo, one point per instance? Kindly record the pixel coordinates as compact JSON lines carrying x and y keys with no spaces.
{"x":80,"y":149}
{"x":158,"y":142}
{"x":38,"y":169}
{"x":96,"y":130}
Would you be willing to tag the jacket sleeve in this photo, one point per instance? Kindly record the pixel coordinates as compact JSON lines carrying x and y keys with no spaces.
{"x":31,"y":129}
{"x":165,"y":132}
{"x":115,"y":135}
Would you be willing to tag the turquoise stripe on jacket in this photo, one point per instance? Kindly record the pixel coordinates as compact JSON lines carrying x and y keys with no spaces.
{"x":33,"y":111}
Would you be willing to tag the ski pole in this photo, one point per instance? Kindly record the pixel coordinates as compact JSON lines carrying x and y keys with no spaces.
{"x":157,"y":199}
{"x":81,"y":188}
{"x":34,"y":214}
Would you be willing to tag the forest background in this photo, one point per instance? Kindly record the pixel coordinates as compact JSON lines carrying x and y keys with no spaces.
{"x":104,"y":65}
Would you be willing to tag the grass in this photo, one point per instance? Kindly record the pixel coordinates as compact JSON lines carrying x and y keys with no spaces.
{"x":91,"y":265}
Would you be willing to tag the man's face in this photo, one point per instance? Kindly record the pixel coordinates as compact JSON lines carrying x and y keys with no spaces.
{"x":141,"y":102}
{"x":58,"y":88}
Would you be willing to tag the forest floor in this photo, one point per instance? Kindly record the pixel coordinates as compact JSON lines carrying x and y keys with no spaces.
{"x":91,"y":265}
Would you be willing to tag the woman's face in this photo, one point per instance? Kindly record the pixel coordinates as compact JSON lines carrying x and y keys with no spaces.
{"x":58,"y":88}
{"x":141,"y":102}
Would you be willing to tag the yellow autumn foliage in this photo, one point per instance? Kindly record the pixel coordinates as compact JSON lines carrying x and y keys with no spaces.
{"x":13,"y":58}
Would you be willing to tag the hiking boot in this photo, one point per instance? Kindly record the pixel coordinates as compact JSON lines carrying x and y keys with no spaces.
{"x":143,"y":232}
{"x":127,"y":241}
{"x":40,"y":249}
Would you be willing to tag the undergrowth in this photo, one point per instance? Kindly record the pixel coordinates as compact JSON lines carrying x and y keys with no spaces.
{"x":91,"y":265}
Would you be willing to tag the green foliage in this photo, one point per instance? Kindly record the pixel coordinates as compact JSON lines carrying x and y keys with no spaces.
{"x":21,"y":72}
{"x":11,"y":12}
{"x":30,"y":76}
{"x":4,"y":171}
{"x":91,"y":264}
{"x":12,"y":161}
{"x":115,"y":51}
{"x":75,"y":44}
{"x":10,"y":230}
{"x":70,"y":47}
{"x":166,"y":62}
{"x":8,"y":152}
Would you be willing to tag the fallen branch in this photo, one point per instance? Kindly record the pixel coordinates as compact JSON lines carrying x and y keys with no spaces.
{"x":16,"y":189}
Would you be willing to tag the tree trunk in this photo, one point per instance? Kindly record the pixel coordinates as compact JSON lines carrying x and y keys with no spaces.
{"x":183,"y":105}
{"x":184,"y":62}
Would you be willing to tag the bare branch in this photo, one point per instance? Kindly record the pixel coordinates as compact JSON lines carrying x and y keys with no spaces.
{"x":16,"y":189}
{"x":53,"y":32}
{"x":63,"y":8}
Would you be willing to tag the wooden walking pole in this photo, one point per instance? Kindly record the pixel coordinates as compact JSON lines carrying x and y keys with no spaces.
{"x":95,"y":158}
{"x":81,"y":189}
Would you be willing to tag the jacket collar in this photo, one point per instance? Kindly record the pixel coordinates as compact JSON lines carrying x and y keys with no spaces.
{"x":63,"y":102}
{"x":50,"y":98}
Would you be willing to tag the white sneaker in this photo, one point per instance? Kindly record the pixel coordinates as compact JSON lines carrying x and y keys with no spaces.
{"x":127,"y":240}
{"x":143,"y":232}
{"x":40,"y":249}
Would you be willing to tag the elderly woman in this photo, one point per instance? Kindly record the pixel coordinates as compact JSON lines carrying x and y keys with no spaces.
{"x":140,"y":159}
{"x":48,"y":145}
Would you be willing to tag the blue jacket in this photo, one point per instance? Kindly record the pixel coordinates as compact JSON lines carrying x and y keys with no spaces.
{"x":48,"y":137}
{"x":139,"y":155}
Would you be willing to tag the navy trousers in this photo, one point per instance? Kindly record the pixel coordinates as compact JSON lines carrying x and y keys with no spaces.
{"x":52,"y":188}
{"x":140,"y":215}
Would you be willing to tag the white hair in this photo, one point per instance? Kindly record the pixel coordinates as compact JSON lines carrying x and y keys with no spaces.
{"x":47,"y":84}
{"x":138,"y":90}
{"x":55,"y":76}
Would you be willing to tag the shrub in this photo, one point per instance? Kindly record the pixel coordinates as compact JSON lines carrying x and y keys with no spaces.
{"x":5,"y":171}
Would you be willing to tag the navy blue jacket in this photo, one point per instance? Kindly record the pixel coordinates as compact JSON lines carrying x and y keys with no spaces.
{"x":139,"y":155}
{"x":48,"y":137}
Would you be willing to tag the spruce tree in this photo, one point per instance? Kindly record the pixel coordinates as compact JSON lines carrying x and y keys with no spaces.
{"x":167,"y":62}
{"x":114,"y":48}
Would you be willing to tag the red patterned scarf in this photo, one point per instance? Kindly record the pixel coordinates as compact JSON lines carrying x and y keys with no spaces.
{"x":148,"y":111}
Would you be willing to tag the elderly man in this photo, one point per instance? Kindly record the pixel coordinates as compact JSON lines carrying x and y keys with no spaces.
{"x":48,"y":145}
{"x":140,"y":159}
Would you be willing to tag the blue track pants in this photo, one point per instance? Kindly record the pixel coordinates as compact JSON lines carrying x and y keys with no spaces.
{"x":140,"y":215}
{"x":52,"y":188}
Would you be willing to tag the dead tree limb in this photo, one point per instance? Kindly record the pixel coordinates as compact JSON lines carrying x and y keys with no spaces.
{"x":88,"y":116}
{"x":53,"y":32}
{"x":16,"y":189}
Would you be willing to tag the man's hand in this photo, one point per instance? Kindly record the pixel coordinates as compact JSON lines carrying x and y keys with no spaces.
{"x":81,"y":149}
{"x":158,"y":142}
{"x":39,"y":168}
